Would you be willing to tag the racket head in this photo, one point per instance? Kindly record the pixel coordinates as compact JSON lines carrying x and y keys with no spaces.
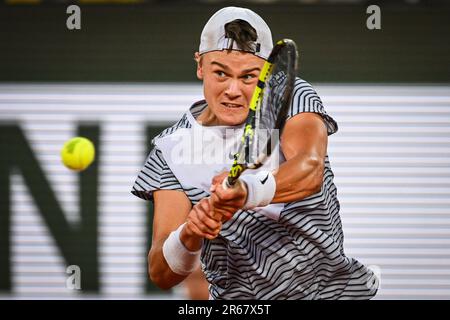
{"x":268,"y":109}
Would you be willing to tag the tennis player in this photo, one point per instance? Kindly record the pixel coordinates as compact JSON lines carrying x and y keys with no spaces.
{"x":277,"y":234}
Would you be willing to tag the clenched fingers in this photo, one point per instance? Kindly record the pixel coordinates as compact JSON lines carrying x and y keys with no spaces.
{"x":201,"y":222}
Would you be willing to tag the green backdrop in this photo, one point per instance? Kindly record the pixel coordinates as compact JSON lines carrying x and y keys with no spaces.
{"x":156,"y":42}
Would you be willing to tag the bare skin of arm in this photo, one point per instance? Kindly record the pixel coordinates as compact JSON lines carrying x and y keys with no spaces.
{"x":170,"y":211}
{"x":304,"y":145}
{"x":197,"y":286}
{"x":173,"y":208}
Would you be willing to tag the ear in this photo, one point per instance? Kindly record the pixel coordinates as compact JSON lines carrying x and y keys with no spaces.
{"x":198,"y":59}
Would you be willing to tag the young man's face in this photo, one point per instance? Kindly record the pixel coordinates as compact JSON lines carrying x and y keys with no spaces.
{"x":229,"y":78}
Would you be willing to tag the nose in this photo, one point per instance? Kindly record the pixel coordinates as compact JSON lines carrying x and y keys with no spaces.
{"x":233,"y":90}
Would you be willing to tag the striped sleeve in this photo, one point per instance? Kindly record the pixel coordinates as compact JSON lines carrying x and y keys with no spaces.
{"x":154,"y":175}
{"x":306,"y":99}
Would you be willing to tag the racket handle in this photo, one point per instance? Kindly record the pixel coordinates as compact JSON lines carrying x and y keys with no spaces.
{"x":226,"y":183}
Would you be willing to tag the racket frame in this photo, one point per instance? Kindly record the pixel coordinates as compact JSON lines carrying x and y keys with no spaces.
{"x":239,"y":164}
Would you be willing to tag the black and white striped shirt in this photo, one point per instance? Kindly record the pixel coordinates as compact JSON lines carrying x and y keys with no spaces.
{"x":298,"y":256}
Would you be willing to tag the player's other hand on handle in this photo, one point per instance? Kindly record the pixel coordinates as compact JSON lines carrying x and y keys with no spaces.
{"x":227,"y":201}
{"x":202,"y":222}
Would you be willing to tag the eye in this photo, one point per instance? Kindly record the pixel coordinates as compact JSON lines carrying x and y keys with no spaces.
{"x":248,"y":77}
{"x":220,"y":73}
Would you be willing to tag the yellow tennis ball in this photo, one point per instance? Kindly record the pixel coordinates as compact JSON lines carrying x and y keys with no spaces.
{"x":78,"y":153}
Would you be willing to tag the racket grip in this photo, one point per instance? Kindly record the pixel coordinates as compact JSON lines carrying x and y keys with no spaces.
{"x":225,"y":184}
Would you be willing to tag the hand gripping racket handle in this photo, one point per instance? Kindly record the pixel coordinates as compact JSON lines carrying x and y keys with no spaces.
{"x":226,"y":183}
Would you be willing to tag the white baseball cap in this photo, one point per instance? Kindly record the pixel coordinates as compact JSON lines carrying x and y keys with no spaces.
{"x":213,"y":34}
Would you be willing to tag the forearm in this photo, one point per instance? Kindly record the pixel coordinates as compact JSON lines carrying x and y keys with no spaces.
{"x":298,"y":178}
{"x":159,"y":270}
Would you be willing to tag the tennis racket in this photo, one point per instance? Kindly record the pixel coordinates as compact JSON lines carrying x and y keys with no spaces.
{"x":267,"y":111}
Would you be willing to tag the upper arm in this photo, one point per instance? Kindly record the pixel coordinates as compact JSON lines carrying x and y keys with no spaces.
{"x":308,"y":125}
{"x":305,"y":134}
{"x":171,"y":208}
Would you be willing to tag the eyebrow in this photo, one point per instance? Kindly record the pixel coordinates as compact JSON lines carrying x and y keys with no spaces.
{"x":227,"y":68}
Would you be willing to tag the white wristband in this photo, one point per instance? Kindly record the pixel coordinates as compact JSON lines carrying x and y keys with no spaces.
{"x":178,"y":257}
{"x":261,"y":189}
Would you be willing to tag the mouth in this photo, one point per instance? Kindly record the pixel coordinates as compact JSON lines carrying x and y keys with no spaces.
{"x":229,"y":105}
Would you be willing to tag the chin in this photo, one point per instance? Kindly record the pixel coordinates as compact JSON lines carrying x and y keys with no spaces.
{"x":233,"y":120}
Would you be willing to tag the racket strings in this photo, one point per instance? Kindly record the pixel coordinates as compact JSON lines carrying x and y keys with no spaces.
{"x":271,"y":115}
{"x":268,"y":110}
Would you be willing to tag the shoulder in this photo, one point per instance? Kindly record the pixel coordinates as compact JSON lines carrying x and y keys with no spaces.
{"x":185,"y":122}
{"x":182,"y":123}
{"x":305,"y":94}
{"x":306,"y":100}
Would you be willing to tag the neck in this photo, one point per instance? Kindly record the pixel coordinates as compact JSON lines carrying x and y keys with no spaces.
{"x":207,"y":118}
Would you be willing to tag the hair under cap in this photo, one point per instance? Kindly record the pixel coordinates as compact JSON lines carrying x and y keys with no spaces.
{"x":213,"y":35}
